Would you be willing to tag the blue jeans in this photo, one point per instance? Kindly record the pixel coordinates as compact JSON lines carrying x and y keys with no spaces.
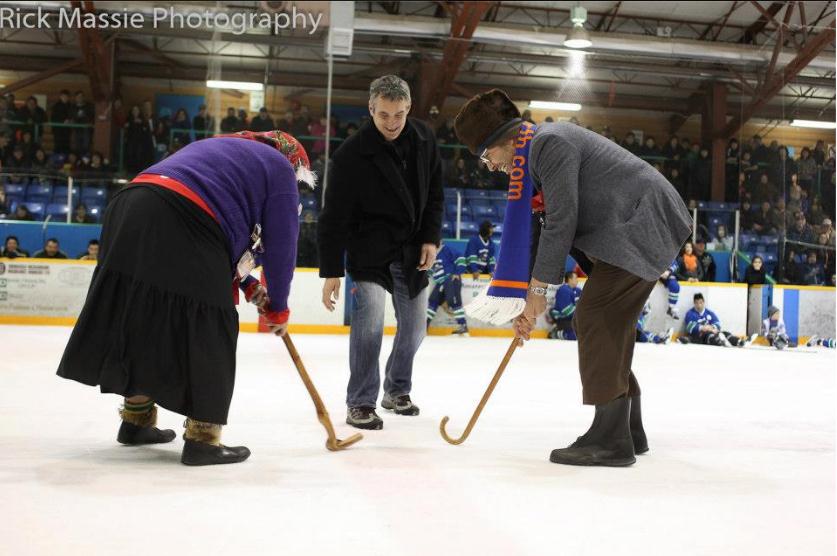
{"x":367,"y":332}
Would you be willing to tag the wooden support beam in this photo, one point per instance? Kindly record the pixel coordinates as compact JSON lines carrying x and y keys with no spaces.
{"x":42,"y":75}
{"x":758,"y":25}
{"x":774,"y":83}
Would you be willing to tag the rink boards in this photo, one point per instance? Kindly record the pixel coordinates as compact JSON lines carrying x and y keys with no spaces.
{"x":39,"y":291}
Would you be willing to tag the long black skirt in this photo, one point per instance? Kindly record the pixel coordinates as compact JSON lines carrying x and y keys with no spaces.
{"x":159,"y":318}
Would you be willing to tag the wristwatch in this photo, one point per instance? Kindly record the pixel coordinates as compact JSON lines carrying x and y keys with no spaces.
{"x":537,"y":290}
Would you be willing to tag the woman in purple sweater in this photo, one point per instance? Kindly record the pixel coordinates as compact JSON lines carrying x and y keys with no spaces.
{"x":159,"y":324}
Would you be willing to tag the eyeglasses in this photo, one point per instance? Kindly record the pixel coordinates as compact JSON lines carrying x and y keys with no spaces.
{"x":484,"y":158}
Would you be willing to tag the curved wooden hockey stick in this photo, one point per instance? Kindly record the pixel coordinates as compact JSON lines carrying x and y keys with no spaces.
{"x":332,"y":443}
{"x":483,"y":401}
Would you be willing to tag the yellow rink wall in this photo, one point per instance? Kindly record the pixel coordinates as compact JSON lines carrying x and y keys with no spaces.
{"x":52,"y":292}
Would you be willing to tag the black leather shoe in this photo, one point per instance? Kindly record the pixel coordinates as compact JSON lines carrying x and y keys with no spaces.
{"x":201,"y":453}
{"x":134,"y":435}
{"x":608,"y":442}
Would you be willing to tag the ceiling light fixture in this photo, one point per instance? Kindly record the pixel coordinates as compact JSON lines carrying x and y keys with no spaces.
{"x":240,"y":85}
{"x":813,"y":123}
{"x":548,"y":105}
{"x":578,"y":37}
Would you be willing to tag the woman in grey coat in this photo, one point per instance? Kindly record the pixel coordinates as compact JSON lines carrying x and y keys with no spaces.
{"x":626,"y":218}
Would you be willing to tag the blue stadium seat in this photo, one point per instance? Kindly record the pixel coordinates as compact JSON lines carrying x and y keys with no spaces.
{"x":477,"y":193}
{"x":94,"y":195}
{"x":308,"y":202}
{"x":468,"y":228}
{"x":500,"y":207}
{"x":448,"y":229}
{"x":483,"y":210}
{"x":58,"y":211}
{"x":450,"y":210}
{"x":37,"y":210}
{"x":59,"y":194}
{"x":15,"y":190}
{"x":38,"y":193}
{"x":96,"y":212}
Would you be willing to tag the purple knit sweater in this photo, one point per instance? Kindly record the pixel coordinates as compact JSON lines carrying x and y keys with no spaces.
{"x":245,"y":183}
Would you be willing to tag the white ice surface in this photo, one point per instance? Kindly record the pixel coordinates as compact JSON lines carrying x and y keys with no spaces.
{"x":742,"y":459}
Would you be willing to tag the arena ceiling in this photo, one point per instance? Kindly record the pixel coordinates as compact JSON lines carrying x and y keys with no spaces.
{"x":659,"y":56}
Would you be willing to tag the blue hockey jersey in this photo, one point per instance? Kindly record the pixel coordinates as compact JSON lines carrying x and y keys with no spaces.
{"x":445,"y":265}
{"x":566,"y":299}
{"x":695,"y":320}
{"x":479,"y":255}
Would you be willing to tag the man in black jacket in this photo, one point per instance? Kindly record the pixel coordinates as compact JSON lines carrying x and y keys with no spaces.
{"x":382,"y":208}
{"x":62,"y":114}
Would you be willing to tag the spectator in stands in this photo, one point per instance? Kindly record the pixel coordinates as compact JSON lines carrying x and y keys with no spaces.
{"x":649,"y":149}
{"x":755,"y":273}
{"x":230,"y":124}
{"x":705,"y":260}
{"x":307,"y":244}
{"x":689,"y":268}
{"x":18,"y":159}
{"x":479,"y":253}
{"x":672,"y":151}
{"x":824,"y":254}
{"x":676,"y":179}
{"x":459,"y":175}
{"x":827,"y":228}
{"x":700,"y":182}
{"x":816,"y":214}
{"x":203,"y":123}
{"x":12,"y":250}
{"x":22,"y":213}
{"x":82,"y":115}
{"x":794,"y":203}
{"x":819,"y":155}
{"x":139,"y":142}
{"x":807,"y":172}
{"x":161,"y":130}
{"x":5,"y":148}
{"x":318,"y":129}
{"x":629,"y":143}
{"x":527,"y":116}
{"x":445,"y":135}
{"x":33,"y":116}
{"x":791,"y":269}
{"x":760,"y":153}
{"x":7,"y":117}
{"x":50,"y":251}
{"x":783,"y":169}
{"x":779,"y":216}
{"x":28,"y":144}
{"x":813,"y":273}
{"x":704,"y":327}
{"x":71,"y":164}
{"x":748,"y":168}
{"x":243,"y":119}
{"x":182,"y":127}
{"x":763,"y":190}
{"x":301,"y":122}
{"x":39,"y":161}
{"x":148,"y":115}
{"x":92,"y":252}
{"x":285,"y":123}
{"x":562,"y":313}
{"x":97,"y":164}
{"x":773,"y":329}
{"x":722,"y":241}
{"x":763,"y":220}
{"x":262,"y":122}
{"x":80,"y":215}
{"x":118,"y":119}
{"x":800,"y":231}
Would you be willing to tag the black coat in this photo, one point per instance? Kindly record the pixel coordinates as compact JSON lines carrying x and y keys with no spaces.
{"x":369,"y":213}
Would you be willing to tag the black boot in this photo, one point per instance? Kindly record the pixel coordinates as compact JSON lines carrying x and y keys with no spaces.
{"x":637,"y":432}
{"x":133,"y":435}
{"x":138,"y":428}
{"x":203,"y":446}
{"x":607,"y":443}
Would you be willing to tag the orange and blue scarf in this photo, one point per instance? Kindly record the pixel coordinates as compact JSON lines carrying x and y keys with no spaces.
{"x":505,"y":297}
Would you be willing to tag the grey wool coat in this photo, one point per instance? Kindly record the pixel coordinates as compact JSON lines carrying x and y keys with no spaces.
{"x":604,"y":201}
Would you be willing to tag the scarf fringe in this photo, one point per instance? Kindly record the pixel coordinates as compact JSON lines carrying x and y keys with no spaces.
{"x":495,"y":310}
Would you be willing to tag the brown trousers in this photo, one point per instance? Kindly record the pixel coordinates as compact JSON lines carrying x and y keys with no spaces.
{"x":605,"y":323}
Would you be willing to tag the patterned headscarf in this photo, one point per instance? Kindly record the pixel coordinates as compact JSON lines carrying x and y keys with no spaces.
{"x":288,"y":145}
